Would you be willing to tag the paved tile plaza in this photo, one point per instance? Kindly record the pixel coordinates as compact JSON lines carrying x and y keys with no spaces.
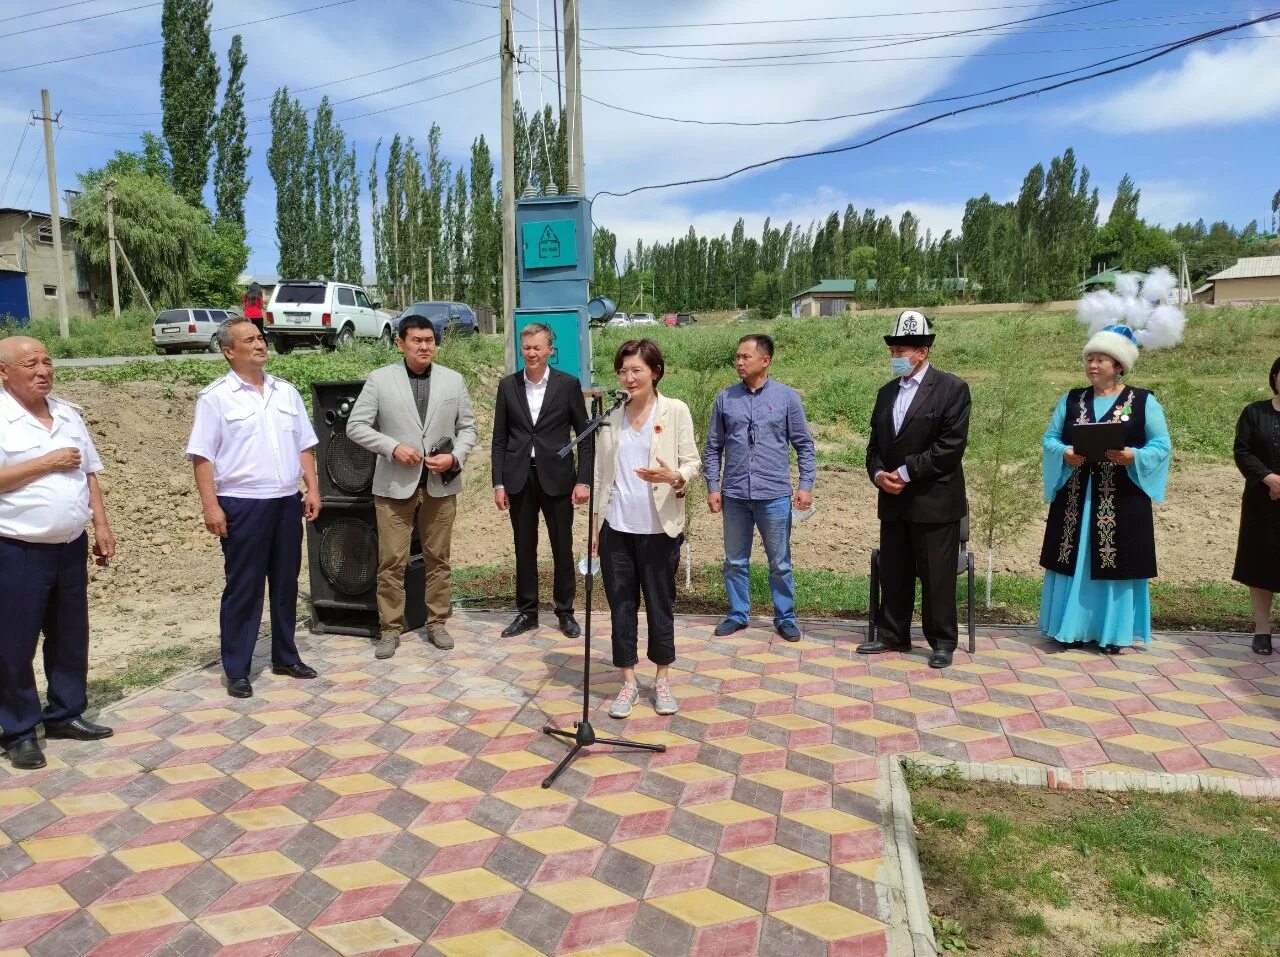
{"x":394,"y":807}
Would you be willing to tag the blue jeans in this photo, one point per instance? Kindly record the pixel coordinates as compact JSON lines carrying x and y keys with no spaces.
{"x":773,"y":517}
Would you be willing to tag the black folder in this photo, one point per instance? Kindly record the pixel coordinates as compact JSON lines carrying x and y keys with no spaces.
{"x":1094,"y":439}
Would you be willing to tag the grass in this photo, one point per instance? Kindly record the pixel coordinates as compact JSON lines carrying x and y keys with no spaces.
{"x":129,"y":334}
{"x":1204,"y":606}
{"x":1013,"y":871}
{"x":145,"y":669}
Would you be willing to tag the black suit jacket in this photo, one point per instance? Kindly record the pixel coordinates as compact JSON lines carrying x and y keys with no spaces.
{"x":931,"y":444}
{"x":515,"y":436}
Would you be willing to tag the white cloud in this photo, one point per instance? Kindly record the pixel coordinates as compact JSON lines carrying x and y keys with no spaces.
{"x":1233,"y":84}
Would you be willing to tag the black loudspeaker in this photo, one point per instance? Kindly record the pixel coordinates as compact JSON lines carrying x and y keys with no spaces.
{"x":345,"y":468}
{"x":342,"y":549}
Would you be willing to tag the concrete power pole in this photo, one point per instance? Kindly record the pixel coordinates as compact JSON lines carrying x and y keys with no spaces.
{"x":111,"y":245}
{"x":55,"y":213}
{"x":506,"y":50}
{"x":573,"y":94}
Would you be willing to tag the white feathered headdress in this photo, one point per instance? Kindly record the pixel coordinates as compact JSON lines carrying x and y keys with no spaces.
{"x":1136,"y":314}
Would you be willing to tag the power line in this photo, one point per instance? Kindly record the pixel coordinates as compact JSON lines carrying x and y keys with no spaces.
{"x":5,"y":188}
{"x":151,"y":43}
{"x":64,"y":23}
{"x":36,"y":13}
{"x":834,"y":150}
{"x":31,"y":166}
{"x":36,"y":182}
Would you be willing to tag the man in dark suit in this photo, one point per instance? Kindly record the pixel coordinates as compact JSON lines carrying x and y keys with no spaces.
{"x":919,"y":429}
{"x":535,"y":409}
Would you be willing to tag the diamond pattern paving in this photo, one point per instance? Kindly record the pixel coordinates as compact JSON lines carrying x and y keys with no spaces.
{"x":394,"y":807}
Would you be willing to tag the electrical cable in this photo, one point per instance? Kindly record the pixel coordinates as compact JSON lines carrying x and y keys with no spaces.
{"x":36,"y":13}
{"x":831,"y":151}
{"x":25,"y":130}
{"x":35,"y":182}
{"x":64,"y":23}
{"x":30,"y":167}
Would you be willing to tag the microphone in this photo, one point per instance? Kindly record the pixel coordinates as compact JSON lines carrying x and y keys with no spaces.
{"x":621,"y":396}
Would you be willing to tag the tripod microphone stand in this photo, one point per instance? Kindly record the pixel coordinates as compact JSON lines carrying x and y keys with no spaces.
{"x":583,"y":735}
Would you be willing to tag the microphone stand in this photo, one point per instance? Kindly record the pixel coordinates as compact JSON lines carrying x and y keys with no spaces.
{"x":583,"y":735}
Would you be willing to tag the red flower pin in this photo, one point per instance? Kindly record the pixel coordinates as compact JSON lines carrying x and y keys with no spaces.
{"x":657,"y":429}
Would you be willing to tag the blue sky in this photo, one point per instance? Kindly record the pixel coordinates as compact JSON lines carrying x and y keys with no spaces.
{"x":1198,"y":130}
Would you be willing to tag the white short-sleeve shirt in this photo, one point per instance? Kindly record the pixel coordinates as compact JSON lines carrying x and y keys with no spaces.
{"x":631,"y":505}
{"x":55,"y":508}
{"x":255,"y":441}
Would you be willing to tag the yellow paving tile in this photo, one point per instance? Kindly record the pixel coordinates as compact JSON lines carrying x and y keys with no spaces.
{"x":713,"y":716}
{"x":140,"y":714}
{"x":283,"y":716}
{"x":364,"y":936}
{"x":514,"y":760}
{"x":427,"y":725}
{"x":117,"y":768}
{"x":832,"y":821}
{"x":1254,"y":724}
{"x":500,"y":729}
{"x":244,"y":868}
{"x":343,"y":750}
{"x":15,"y":797}
{"x":554,"y":840}
{"x":1244,"y":749}
{"x":139,"y":913}
{"x":1146,"y":742}
{"x":914,"y":705}
{"x":442,"y":791}
{"x":773,"y":860}
{"x":350,"y":696}
{"x":188,"y":773}
{"x":691,"y":773}
{"x":128,"y":739}
{"x":603,"y":765}
{"x":88,"y":804}
{"x":473,"y":884}
{"x":1085,"y":715}
{"x":269,"y":778}
{"x":489,"y":943}
{"x":526,"y":798}
{"x":166,"y":812}
{"x":35,"y":902}
{"x":793,"y":722}
{"x":349,"y":784}
{"x":759,"y":696}
{"x":961,"y":733}
{"x":62,"y":848}
{"x":156,"y":857}
{"x":439,"y":754}
{"x":284,"y":695}
{"x":727,"y":812}
{"x":992,"y":709}
{"x":828,"y":921}
{"x":354,"y":719}
{"x":745,"y":745}
{"x":868,"y":870}
{"x":276,"y":745}
{"x":582,"y":895}
{"x":702,"y":908}
{"x":354,"y":877}
{"x":348,"y":677}
{"x":262,"y":818}
{"x":453,"y":833}
{"x":609,"y":950}
{"x":1054,"y":739}
{"x":242,"y":926}
{"x":356,"y":825}
{"x":192,"y":742}
{"x":1108,"y":694}
{"x":1170,"y":719}
{"x":783,"y":780}
{"x":631,"y":802}
{"x":660,"y":849}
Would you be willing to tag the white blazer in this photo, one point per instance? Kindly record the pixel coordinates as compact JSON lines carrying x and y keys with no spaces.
{"x":673,"y":442}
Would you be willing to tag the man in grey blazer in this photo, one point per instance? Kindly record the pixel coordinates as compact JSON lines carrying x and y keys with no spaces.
{"x":405,"y":413}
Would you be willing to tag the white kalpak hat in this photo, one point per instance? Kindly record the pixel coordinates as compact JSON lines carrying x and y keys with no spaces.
{"x":911,"y":328}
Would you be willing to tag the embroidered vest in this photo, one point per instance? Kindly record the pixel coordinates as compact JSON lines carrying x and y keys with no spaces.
{"x":1121,"y":527}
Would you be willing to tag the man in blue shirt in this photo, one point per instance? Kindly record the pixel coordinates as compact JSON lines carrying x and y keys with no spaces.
{"x":754,"y":426}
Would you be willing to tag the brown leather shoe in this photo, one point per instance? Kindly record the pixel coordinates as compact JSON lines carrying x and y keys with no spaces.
{"x":439,"y":636}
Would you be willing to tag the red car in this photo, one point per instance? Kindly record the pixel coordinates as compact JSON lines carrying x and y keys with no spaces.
{"x":669,"y":319}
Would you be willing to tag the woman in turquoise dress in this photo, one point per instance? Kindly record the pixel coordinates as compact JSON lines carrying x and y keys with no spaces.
{"x":1099,"y":545}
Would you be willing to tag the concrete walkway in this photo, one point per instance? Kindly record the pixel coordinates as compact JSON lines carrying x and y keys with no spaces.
{"x":393,"y":807}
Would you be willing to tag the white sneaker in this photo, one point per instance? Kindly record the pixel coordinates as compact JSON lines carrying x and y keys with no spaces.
{"x":624,"y":702}
{"x":663,"y":701}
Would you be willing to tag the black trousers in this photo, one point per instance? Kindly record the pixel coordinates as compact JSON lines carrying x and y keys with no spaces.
{"x":526,"y":505}
{"x":263,"y":546}
{"x":927,"y":551}
{"x":632,"y":566}
{"x":42,"y":588}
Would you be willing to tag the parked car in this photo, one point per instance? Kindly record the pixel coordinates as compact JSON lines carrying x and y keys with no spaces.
{"x":319,"y":312}
{"x":669,"y":319}
{"x":447,"y":318}
{"x":685,"y":318}
{"x":179,"y":330}
{"x":619,"y":320}
{"x":643,"y":319}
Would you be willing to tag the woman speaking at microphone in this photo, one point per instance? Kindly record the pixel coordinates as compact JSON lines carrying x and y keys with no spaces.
{"x":645,"y":458}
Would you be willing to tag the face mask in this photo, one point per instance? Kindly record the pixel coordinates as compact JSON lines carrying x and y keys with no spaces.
{"x":901,"y":366}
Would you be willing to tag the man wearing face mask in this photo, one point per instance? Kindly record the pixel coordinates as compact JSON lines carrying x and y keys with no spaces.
{"x":919,"y":430}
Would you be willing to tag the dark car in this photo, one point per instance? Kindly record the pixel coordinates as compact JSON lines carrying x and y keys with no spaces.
{"x":447,"y":318}
{"x":685,"y":318}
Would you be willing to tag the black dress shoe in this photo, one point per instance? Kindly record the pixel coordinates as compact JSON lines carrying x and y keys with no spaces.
{"x":78,"y":729}
{"x":940,"y":660}
{"x":1262,"y":644}
{"x":879,"y":647}
{"x":26,"y":755}
{"x":519,"y":625}
{"x":294,"y":671}
{"x":569,"y":625}
{"x":240,"y":688}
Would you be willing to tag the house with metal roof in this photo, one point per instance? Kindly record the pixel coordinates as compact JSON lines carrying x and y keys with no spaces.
{"x":1252,"y":279}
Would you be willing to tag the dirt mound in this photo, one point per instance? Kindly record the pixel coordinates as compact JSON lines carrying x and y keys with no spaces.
{"x":164,"y":586}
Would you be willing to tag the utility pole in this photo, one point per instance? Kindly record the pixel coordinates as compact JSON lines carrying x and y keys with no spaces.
{"x":573,"y":93}
{"x":555,"y":23}
{"x":111,"y":245}
{"x":55,"y":213}
{"x":506,"y":50}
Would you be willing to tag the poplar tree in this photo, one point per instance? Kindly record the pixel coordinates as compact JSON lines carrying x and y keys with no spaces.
{"x":230,"y":179}
{"x":189,"y":79}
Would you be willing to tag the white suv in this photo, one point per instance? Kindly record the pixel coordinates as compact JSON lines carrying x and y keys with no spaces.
{"x":328,"y":314}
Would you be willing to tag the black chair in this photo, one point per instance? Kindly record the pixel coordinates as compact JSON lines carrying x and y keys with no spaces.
{"x":964,"y":566}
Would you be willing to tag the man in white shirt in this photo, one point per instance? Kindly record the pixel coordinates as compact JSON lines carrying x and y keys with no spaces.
{"x":251,"y":442}
{"x":535,"y":409}
{"x":48,"y":492}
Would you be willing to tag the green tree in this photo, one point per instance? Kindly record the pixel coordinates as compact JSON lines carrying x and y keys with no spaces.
{"x":188,"y":92}
{"x":287,"y":161}
{"x":486,"y":235}
{"x":230,"y":178}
